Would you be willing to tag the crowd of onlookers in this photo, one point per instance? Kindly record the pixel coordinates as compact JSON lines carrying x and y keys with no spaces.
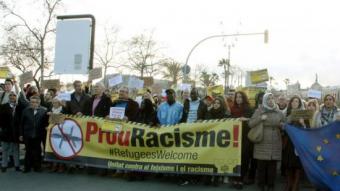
{"x":24,"y":118}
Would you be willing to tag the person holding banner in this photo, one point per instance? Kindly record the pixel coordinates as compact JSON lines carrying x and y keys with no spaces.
{"x":170,"y":112}
{"x":269,"y":150}
{"x":131,"y":106}
{"x":290,"y":158}
{"x":241,"y":109}
{"x":10,"y":115}
{"x":328,"y":112}
{"x":33,"y":122}
{"x":99,"y":104}
{"x":78,"y":99}
{"x":57,"y":108}
{"x":218,"y":111}
{"x":194,"y":108}
{"x":147,"y":111}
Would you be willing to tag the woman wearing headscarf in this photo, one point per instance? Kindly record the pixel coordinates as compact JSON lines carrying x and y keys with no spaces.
{"x":290,"y":157}
{"x":241,"y":109}
{"x":269,"y":150}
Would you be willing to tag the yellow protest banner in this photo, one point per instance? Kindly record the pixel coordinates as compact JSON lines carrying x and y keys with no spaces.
{"x":5,"y":73}
{"x":215,"y":90}
{"x":208,"y":147}
{"x":259,"y":76}
{"x":251,"y":93}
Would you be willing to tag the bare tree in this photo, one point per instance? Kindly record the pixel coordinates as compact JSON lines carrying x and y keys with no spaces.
{"x":38,"y":34}
{"x":23,"y":54}
{"x":172,"y":70}
{"x":143,"y":55}
{"x":208,"y":79}
{"x":106,"y":54}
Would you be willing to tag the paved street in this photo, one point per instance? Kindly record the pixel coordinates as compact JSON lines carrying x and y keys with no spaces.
{"x":47,"y":181}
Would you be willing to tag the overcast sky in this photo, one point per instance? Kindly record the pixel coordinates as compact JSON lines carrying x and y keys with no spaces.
{"x":303,"y":35}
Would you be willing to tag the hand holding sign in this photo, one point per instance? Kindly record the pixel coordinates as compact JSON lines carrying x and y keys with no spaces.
{"x":117,"y":112}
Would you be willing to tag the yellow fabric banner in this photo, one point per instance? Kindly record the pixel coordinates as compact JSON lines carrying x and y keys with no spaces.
{"x":208,"y":147}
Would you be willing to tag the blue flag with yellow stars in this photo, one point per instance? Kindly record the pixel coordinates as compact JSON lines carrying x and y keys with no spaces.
{"x":319,"y":153}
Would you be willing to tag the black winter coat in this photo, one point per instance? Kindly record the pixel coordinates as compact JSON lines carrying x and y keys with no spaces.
{"x":73,"y":106}
{"x":33,"y":126}
{"x":201,"y":112}
{"x":131,"y":110}
{"x":9,"y":124}
{"x":102,"y":109}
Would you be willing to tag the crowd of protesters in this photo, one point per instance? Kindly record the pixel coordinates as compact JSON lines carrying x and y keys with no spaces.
{"x":24,"y":120}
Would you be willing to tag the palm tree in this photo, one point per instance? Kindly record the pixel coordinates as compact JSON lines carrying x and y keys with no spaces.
{"x":208,"y":79}
{"x":226,"y":65}
{"x":172,"y":70}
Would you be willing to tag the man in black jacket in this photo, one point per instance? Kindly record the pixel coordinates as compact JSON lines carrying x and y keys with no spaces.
{"x":131,"y":106}
{"x":78,"y":100}
{"x":33,"y":122}
{"x":194,"y":108}
{"x":99,"y":104}
{"x":10,"y":115}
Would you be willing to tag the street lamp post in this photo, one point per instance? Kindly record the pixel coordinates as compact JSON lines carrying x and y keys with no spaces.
{"x":265,"y":33}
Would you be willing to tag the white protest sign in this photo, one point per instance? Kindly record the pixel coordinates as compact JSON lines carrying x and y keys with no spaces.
{"x":116,"y":80}
{"x":117,"y":112}
{"x":314,"y":94}
{"x":185,"y":87}
{"x":135,"y":83}
{"x":64,"y":96}
{"x":163,"y":93}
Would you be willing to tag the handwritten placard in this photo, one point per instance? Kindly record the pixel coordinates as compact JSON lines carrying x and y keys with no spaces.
{"x":184,"y":87}
{"x":135,"y":83}
{"x":95,"y":73}
{"x":116,"y":80}
{"x":49,"y":84}
{"x":304,"y":114}
{"x":117,"y":112}
{"x":26,"y":77}
{"x":148,"y":81}
{"x":64,"y":96}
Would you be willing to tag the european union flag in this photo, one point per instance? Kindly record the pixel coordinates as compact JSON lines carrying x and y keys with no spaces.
{"x":319,"y":152}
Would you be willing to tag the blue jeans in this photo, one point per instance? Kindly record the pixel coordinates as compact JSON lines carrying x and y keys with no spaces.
{"x":7,"y":149}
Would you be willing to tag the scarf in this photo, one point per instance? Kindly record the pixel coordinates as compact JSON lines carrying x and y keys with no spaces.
{"x":327,"y":116}
{"x":265,"y":104}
